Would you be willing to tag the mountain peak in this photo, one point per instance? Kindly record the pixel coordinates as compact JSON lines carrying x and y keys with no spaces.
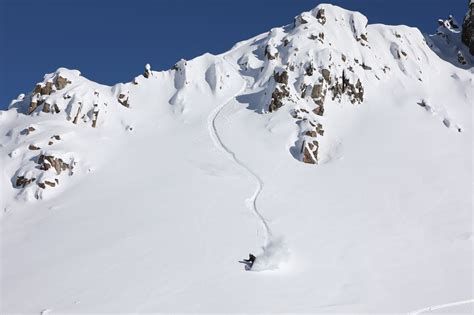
{"x":328,"y":56}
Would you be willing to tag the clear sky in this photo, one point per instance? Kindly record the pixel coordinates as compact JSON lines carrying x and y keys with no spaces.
{"x":110,"y":41}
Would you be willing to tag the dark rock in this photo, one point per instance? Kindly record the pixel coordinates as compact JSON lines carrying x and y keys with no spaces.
{"x":28,"y":130}
{"x":366,"y":67}
{"x":326,"y":75}
{"x":318,"y":93}
{"x":310,"y":152}
{"x":47,"y":89}
{"x":309,"y":70}
{"x":122,"y":99}
{"x":147,"y":72}
{"x":95,"y":115}
{"x":37,"y":89}
{"x":319,"y":129}
{"x":319,"y":110}
{"x":278,"y":95}
{"x":76,"y":118}
{"x":33,"y":147}
{"x":51,"y":184}
{"x":321,"y":16}
{"x":281,"y":77}
{"x":23,"y":181}
{"x":311,"y":133}
{"x":299,"y":20}
{"x":46,"y":108}
{"x":33,"y":104}
{"x":268,"y":54}
{"x":467,"y":33}
{"x":48,"y":161}
{"x":61,"y":82}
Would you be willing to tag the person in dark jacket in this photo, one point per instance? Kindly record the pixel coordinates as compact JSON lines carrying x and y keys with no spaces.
{"x":251,"y":260}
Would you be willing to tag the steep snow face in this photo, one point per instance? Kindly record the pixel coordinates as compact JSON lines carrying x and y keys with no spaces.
{"x":165,"y":182}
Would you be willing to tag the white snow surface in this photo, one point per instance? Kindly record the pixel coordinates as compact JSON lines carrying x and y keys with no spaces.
{"x":164,"y":197}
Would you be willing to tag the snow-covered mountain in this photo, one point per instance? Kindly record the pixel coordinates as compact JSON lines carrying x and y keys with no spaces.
{"x":337,"y":151}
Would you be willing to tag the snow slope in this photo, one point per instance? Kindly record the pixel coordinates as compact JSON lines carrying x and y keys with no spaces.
{"x":340,"y":153}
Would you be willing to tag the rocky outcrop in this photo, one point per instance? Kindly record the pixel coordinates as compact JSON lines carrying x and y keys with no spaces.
{"x":281,"y":77}
{"x":58,"y":82}
{"x":271,"y":52}
{"x":280,"y":92}
{"x":300,"y":19}
{"x":49,"y":161}
{"x":343,"y":86}
{"x":22,"y":181}
{"x":318,"y":94}
{"x":467,"y":34}
{"x":28,"y":130}
{"x":320,"y":15}
{"x":147,"y":72}
{"x":95,"y":116}
{"x":309,"y":150}
{"x":123,"y":99}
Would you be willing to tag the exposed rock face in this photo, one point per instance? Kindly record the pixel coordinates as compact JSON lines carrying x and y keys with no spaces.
{"x":271,"y":52}
{"x":28,"y":130}
{"x":61,"y":82}
{"x":41,"y":89}
{"x":51,"y":184}
{"x":321,"y":16}
{"x":278,"y":95}
{"x":300,"y":19}
{"x":281,"y":77}
{"x":95,"y":116}
{"x":467,"y":34}
{"x":147,"y":72}
{"x":48,"y":161}
{"x":310,"y":152}
{"x":344,"y":86}
{"x":22,"y":181}
{"x":319,"y":94}
{"x":123,"y":99}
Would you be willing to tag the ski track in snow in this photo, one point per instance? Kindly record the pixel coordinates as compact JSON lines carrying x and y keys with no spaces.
{"x":441,"y":306}
{"x":252,"y":201}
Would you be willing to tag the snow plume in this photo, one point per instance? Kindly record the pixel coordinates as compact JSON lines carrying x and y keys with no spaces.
{"x":274,"y":254}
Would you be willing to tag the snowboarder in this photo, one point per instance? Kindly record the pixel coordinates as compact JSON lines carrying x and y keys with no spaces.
{"x":251,"y":260}
{"x":248,"y":262}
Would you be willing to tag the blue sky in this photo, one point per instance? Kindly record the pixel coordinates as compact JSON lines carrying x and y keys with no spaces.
{"x":110,"y":41}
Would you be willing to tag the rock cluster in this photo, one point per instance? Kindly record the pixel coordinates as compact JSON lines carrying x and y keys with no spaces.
{"x":281,"y":91}
{"x":46,"y":162}
{"x":41,"y":89}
